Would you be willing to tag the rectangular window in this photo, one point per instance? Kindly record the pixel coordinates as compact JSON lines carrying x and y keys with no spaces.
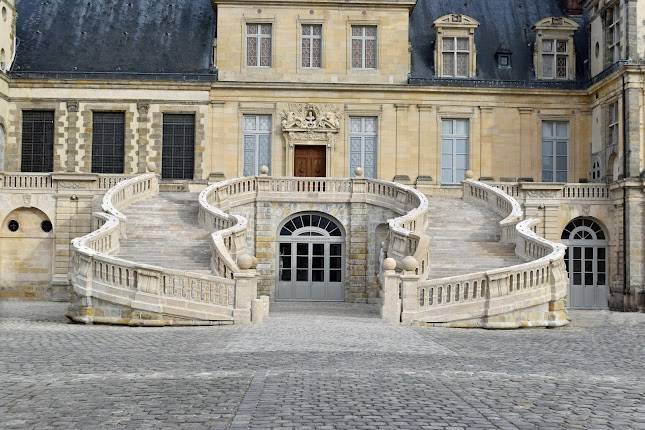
{"x":108,"y":134}
{"x":37,"y":141}
{"x":555,"y":57}
{"x":364,"y":46}
{"x":257,"y":143}
{"x":455,"y":52}
{"x":454,"y":150}
{"x":363,"y":143}
{"x":613,"y":34}
{"x":613,"y":124}
{"x":258,"y":45}
{"x":555,"y":151}
{"x":178,"y":146}
{"x":311,"y":46}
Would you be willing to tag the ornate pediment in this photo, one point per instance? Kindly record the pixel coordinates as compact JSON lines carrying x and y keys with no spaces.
{"x":456,"y":20}
{"x":310,"y":118}
{"x":556,"y":23}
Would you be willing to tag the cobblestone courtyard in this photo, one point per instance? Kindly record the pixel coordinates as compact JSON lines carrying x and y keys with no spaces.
{"x":319,"y":366}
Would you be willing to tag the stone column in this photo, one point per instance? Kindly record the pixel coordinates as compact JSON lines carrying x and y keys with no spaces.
{"x":77,"y":160}
{"x":74,"y":194}
{"x":427,"y":164}
{"x":403,"y":155}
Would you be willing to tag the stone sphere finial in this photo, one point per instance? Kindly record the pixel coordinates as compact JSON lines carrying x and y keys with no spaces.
{"x":359,"y":172}
{"x":245,"y":262}
{"x":389,"y":264}
{"x":264,"y":170}
{"x":151,"y":166}
{"x":409,"y":264}
{"x":469,"y":174}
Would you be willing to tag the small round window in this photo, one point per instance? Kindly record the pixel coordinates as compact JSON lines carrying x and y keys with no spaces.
{"x":13,"y":225}
{"x":46,"y":226}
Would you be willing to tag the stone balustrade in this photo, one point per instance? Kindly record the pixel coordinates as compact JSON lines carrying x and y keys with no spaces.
{"x":406,"y":232}
{"x":49,"y":182}
{"x":560,"y":191}
{"x":114,"y":290}
{"x":527,"y":294}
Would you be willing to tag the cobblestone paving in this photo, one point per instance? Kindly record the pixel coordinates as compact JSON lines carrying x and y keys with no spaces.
{"x":319,"y":366}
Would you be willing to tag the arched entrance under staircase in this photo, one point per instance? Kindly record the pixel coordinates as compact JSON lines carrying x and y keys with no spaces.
{"x":311,"y":258}
{"x":586,"y":260}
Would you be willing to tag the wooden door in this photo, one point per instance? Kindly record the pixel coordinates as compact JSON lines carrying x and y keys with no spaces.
{"x":309,"y":161}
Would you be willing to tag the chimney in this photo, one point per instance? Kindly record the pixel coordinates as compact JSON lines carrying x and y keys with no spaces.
{"x":573,"y":7}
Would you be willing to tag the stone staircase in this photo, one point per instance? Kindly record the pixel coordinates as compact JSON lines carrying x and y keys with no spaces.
{"x":163,"y":231}
{"x":464,"y":239}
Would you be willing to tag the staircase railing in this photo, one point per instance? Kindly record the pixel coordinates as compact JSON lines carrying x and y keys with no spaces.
{"x":406,"y":234}
{"x":96,"y":274}
{"x":466,"y":299}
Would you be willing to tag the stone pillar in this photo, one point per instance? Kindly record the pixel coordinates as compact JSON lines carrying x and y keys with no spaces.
{"x":527,"y":143}
{"x":635,"y":246}
{"x":409,"y":289}
{"x":391,"y":309}
{"x":77,"y":160}
{"x":542,"y":201}
{"x":427,"y":146}
{"x":358,"y":245}
{"x":74,"y":194}
{"x":246,"y":290}
{"x":486,"y":147}
{"x":404,"y":158}
{"x":143,"y":128}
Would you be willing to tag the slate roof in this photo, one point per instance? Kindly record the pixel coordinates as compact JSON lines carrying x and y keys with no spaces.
{"x":504,"y":24}
{"x":175,"y":37}
{"x":123,"y":36}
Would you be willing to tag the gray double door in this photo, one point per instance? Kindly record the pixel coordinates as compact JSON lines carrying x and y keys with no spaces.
{"x":310,"y":269}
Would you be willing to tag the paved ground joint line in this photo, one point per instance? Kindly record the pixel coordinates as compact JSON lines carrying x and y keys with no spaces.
{"x":249,"y":404}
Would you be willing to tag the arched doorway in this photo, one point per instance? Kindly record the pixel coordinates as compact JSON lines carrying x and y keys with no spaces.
{"x":311,"y":265}
{"x":586,"y":260}
{"x":26,"y":252}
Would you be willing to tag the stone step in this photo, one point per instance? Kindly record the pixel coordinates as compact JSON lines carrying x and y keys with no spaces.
{"x":163,"y":231}
{"x":464,"y":238}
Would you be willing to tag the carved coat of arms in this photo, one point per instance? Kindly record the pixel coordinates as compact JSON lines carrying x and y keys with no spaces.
{"x":304,"y":117}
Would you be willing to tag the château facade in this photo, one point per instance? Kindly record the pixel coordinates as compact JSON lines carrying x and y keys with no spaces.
{"x":541,"y":100}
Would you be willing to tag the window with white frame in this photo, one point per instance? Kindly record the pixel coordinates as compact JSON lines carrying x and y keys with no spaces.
{"x":555,"y":58}
{"x":455,"y":52}
{"x":363,"y":141}
{"x":612,"y":127}
{"x":555,"y":151}
{"x":612,"y":26}
{"x":364,"y":46}
{"x":258,"y":45}
{"x":257,"y":143}
{"x":311,"y":46}
{"x":454,"y":150}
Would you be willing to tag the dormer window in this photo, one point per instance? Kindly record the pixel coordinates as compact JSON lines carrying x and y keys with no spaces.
{"x":554,"y":54}
{"x":503,"y":57}
{"x":455,"y":54}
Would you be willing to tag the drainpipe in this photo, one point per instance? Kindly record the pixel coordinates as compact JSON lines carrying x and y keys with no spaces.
{"x":625,"y":176}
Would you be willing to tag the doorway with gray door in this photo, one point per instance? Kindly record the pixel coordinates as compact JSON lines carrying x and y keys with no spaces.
{"x":311,"y":259}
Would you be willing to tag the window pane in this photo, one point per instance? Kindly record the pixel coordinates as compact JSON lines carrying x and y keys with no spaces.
{"x":561,"y":148}
{"x":462,"y":64}
{"x":357,"y":30}
{"x":37,"y":141}
{"x":446,"y":127}
{"x":547,"y":66}
{"x":370,"y":54}
{"x":316,"y":53}
{"x":547,"y":45}
{"x":265,"y":52}
{"x":461,"y":127}
{"x":448,"y":44}
{"x":357,"y":54}
{"x":306,"y":52}
{"x":370,"y":31}
{"x":252,"y":51}
{"x":251,"y":29}
{"x":448,"y":64}
{"x":462,"y":44}
{"x":561,"y":46}
{"x":561,"y":66}
{"x":562,"y":129}
{"x":266,"y":28}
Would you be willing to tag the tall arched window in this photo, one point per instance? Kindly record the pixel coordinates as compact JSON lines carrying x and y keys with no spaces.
{"x":586,"y":260}
{"x":311,"y":258}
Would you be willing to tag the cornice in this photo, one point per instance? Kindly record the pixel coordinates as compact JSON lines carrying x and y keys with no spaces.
{"x":408,"y":4}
